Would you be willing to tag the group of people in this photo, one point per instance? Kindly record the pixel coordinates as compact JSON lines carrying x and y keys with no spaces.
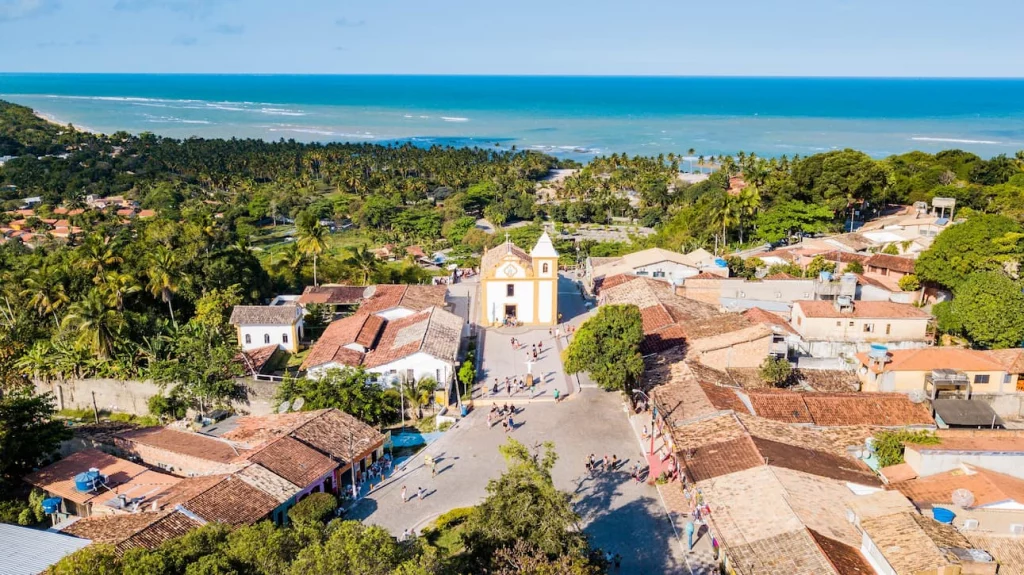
{"x":504,"y":415}
{"x":375,"y":473}
{"x":605,"y":464}
{"x":419,"y":494}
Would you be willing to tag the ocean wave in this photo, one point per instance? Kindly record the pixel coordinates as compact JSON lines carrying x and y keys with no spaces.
{"x":454,"y":119}
{"x":281,"y":112}
{"x":954,"y":140}
{"x":114,"y":98}
{"x":173,"y":120}
{"x":325,"y":132}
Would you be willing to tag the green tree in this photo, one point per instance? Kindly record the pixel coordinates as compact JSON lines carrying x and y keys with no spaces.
{"x":776,"y":371}
{"x":348,"y":389}
{"x":97,"y":325}
{"x":982,"y":243}
{"x":788,"y":218}
{"x":315,"y":508}
{"x":909,"y":282}
{"x":364,"y":262}
{"x":819,"y":264}
{"x":607,"y":347}
{"x":93,"y":560}
{"x":990,"y":308}
{"x":312,"y":238}
{"x":165,"y":276}
{"x":352,"y":548}
{"x":28,"y":433}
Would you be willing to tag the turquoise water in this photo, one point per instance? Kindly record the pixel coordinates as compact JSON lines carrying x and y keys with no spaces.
{"x":569,"y":116}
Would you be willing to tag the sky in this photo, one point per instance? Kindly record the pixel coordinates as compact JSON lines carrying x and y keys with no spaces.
{"x":912,"y":38}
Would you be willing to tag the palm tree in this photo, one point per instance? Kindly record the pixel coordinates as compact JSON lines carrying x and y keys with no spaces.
{"x":164,"y":276}
{"x":97,"y":324}
{"x":726,"y":216}
{"x":45,"y":292}
{"x":364,"y":260}
{"x":747,"y":203}
{"x":117,"y":285}
{"x":312,"y":242}
{"x":37,"y":361}
{"x":689,"y":157}
{"x":700,"y":163}
{"x":419,"y":394}
{"x":97,"y":256}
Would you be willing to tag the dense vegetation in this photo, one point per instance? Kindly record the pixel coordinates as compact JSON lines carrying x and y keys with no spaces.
{"x":523,"y":526}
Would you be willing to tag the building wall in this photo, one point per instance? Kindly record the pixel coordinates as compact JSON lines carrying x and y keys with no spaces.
{"x":257,"y":335}
{"x":837,"y":348}
{"x":706,"y":291}
{"x":535,"y":292}
{"x":786,"y":291}
{"x":176,"y":463}
{"x":927,"y":463}
{"x":850,"y":328}
{"x":421,"y":364}
{"x":669,"y":271}
{"x":905,"y":381}
{"x":745,"y":354}
{"x":496,"y":298}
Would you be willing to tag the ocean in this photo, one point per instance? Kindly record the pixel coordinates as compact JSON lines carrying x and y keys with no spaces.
{"x":577,"y":117}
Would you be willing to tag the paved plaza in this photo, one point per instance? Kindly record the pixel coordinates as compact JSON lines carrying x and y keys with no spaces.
{"x":618,"y":514}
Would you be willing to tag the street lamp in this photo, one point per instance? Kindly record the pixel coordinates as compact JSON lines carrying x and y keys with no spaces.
{"x":653,"y":414}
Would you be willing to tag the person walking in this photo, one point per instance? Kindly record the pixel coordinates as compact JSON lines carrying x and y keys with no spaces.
{"x":404,"y":498}
{"x":558,"y":396}
{"x":511,"y":424}
{"x":508,"y":387}
{"x":419,"y":493}
{"x":636,"y":472}
{"x":617,"y":560}
{"x":433,"y":468}
{"x":615,"y":462}
{"x":607,"y":463}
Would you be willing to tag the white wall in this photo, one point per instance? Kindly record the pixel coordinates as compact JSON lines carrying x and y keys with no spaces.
{"x":544,"y":304}
{"x":395,"y":313}
{"x":497,"y":299}
{"x":258,"y":333}
{"x":927,"y":463}
{"x":422,"y":365}
{"x":674,"y":272}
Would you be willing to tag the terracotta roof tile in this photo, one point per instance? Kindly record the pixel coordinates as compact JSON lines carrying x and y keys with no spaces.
{"x":494,"y":256}
{"x":361,"y":329}
{"x":904,"y":544}
{"x":828,"y":379}
{"x":433,"y":331}
{"x":988,"y":487}
{"x":1008,"y":550}
{"x":929,"y":358}
{"x":896,"y":263}
{"x":758,"y":315}
{"x":169,"y":526}
{"x":333,"y":430}
{"x":844,"y":257}
{"x":332,"y":295}
{"x":780,"y":406}
{"x":184,"y":443}
{"x":232,"y":501}
{"x":715,"y":459}
{"x":897,"y":473}
{"x":188,"y":489}
{"x":269,"y":482}
{"x":123,"y":478}
{"x":706,"y":276}
{"x":294,"y":461}
{"x":254,"y":360}
{"x":381,"y":298}
{"x":287,"y":314}
{"x":862,"y":309}
{"x":1011,"y":359}
{"x":881,"y":409}
{"x":815,"y":462}
{"x":609,"y":282}
{"x":111,"y":529}
{"x":846,"y":560}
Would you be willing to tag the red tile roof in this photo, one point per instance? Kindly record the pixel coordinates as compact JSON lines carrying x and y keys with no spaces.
{"x":706,"y":276}
{"x":123,"y":478}
{"x":232,"y":501}
{"x":294,"y":461}
{"x":988,"y":487}
{"x":169,"y":526}
{"x":723,"y":458}
{"x":929,"y":358}
{"x":758,"y":315}
{"x":433,"y":331}
{"x":839,"y":409}
{"x":332,"y":295}
{"x":845,"y":559}
{"x":895,"y":263}
{"x":381,"y":298}
{"x":362,"y":329}
{"x":862,"y":309}
{"x":184,"y":443}
{"x":780,"y":406}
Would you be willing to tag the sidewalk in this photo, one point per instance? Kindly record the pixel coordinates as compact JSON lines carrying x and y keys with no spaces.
{"x":701,"y":560}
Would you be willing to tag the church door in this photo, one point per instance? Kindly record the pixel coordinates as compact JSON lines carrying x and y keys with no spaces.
{"x":510,"y":311}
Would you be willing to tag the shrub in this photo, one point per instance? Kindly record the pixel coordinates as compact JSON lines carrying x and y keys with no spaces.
{"x":315,"y":508}
{"x":909,"y":282}
{"x":776,"y":371}
{"x":855,"y":267}
{"x":167,"y":406}
{"x":452,"y":518}
{"x":889,"y":444}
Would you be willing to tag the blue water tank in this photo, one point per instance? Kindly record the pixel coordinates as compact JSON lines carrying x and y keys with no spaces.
{"x":721,"y":263}
{"x":943,"y":515}
{"x":88,"y":481}
{"x":825,"y":276}
{"x":51,"y":505}
{"x":878,"y":351}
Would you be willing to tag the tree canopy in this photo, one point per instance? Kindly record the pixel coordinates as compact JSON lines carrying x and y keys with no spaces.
{"x":607,"y":347}
{"x":982,"y":243}
{"x":989,"y":309}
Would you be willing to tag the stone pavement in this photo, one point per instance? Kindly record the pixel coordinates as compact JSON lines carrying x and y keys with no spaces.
{"x":618,"y":514}
{"x":701,"y":559}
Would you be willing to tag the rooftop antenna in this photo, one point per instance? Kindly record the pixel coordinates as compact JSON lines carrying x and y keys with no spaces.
{"x":284,"y":407}
{"x":298,"y":403}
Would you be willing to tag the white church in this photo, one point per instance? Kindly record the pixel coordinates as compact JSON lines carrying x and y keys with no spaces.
{"x":518,"y":286}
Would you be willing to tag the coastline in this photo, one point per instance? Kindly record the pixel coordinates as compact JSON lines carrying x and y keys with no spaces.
{"x":51,"y":119}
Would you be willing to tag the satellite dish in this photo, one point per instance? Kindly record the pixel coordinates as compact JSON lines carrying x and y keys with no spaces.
{"x":298,"y":403}
{"x":917,"y":396}
{"x":284,"y":407}
{"x":963,"y":498}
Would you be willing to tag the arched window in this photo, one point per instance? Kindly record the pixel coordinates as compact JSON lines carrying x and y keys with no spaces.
{"x":544,"y":268}
{"x":266,"y":338}
{"x":248,"y":338}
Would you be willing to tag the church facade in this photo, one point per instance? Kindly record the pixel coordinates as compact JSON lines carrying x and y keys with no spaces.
{"x":519,"y":287}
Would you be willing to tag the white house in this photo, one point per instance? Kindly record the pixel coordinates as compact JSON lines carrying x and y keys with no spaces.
{"x":262,"y":325}
{"x":410,"y":348}
{"x":397,"y":301}
{"x":518,"y":286}
{"x":657,"y":263}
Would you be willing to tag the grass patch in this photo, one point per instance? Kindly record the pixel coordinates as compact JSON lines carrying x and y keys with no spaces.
{"x":86,"y":416}
{"x":296,"y":359}
{"x":445,"y":532}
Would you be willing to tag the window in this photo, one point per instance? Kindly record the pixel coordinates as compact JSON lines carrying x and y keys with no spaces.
{"x":839,"y":324}
{"x":659,"y":274}
{"x":851,"y":324}
{"x":248,"y":338}
{"x":981,"y":378}
{"x":641,"y":273}
{"x":284,"y":338}
{"x":888,"y":328}
{"x":869,"y":327}
{"x":437,"y":375}
{"x":1007,"y":377}
{"x":266,"y":338}
{"x":510,"y":290}
{"x":544,"y":268}
{"x":410,"y":375}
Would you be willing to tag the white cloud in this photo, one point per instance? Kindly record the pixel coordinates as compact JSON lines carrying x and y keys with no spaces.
{"x":18,"y":9}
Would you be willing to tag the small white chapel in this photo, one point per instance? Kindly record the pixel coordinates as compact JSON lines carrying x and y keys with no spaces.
{"x":519,"y":287}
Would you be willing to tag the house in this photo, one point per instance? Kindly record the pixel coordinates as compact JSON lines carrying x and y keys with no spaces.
{"x":181,"y":452}
{"x":92,"y":482}
{"x":934,"y":370}
{"x":336,"y":296}
{"x":424,"y":344}
{"x":657,"y":263}
{"x":987,"y":501}
{"x":519,"y":287}
{"x":908,"y":543}
{"x":885,"y":265}
{"x":670,"y":320}
{"x":398,"y":301}
{"x":776,"y":292}
{"x":1001,"y":451}
{"x":28,"y":551}
{"x":845,"y":326}
{"x":261,"y":325}
{"x":145,"y":530}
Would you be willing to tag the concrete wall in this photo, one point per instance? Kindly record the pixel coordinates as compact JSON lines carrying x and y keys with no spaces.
{"x":904,"y":381}
{"x":927,"y":463}
{"x":132,"y":396}
{"x":785,"y":291}
{"x":851,"y":328}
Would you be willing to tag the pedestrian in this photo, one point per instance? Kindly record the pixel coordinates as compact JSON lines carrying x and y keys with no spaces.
{"x":535,"y":354}
{"x":615,"y":462}
{"x":504,"y":424}
{"x":644,"y":434}
{"x":618,"y":561}
{"x":593,"y":462}
{"x":404,"y":498}
{"x":636,"y":473}
{"x":508,"y":386}
{"x":558,"y":395}
{"x":512,"y":342}
{"x":608,"y":557}
{"x":511,"y":424}
{"x":419,"y":493}
{"x":607,"y":463}
{"x":433,"y":469}
{"x":540,"y":346}
{"x":550,"y":332}
{"x":494,"y":390}
{"x":405,"y":534}
{"x":558,"y":333}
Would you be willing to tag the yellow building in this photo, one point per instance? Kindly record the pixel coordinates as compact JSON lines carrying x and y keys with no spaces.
{"x":519,"y":287}
{"x":966,"y":371}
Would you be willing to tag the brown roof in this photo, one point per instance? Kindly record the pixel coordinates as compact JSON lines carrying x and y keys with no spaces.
{"x":332,"y":431}
{"x":713,"y":460}
{"x":232,"y":501}
{"x":780,"y":406}
{"x":123,"y":478}
{"x":168,"y":526}
{"x":1011,"y":359}
{"x":862,"y":309}
{"x":608,"y":282}
{"x":828,"y":379}
{"x":184,"y":443}
{"x":845,"y":559}
{"x":781,"y":276}
{"x":332,"y":295}
{"x":294,"y":461}
{"x":254,"y":360}
{"x":433,"y":331}
{"x":1007,"y":549}
{"x":682,"y":398}
{"x":112,"y":528}
{"x":988,"y":487}
{"x":896,"y":263}
{"x":793,"y":553}
{"x":493,"y":257}
{"x":1008,"y":444}
{"x":820,"y":463}
{"x":835,"y":409}
{"x":188,"y":489}
{"x":361,"y":329}
{"x":877,"y":282}
{"x":286,"y":314}
{"x":844,"y":257}
{"x":269,"y":482}
{"x":929,"y":358}
{"x":705,"y":276}
{"x":774,"y":320}
{"x":897,"y":473}
{"x":381,"y":298}
{"x":904,"y":544}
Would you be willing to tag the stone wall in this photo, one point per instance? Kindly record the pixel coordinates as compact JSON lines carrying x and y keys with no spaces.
{"x":132,"y":396}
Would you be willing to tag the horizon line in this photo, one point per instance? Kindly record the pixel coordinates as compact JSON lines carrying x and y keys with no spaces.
{"x":474,"y":75}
